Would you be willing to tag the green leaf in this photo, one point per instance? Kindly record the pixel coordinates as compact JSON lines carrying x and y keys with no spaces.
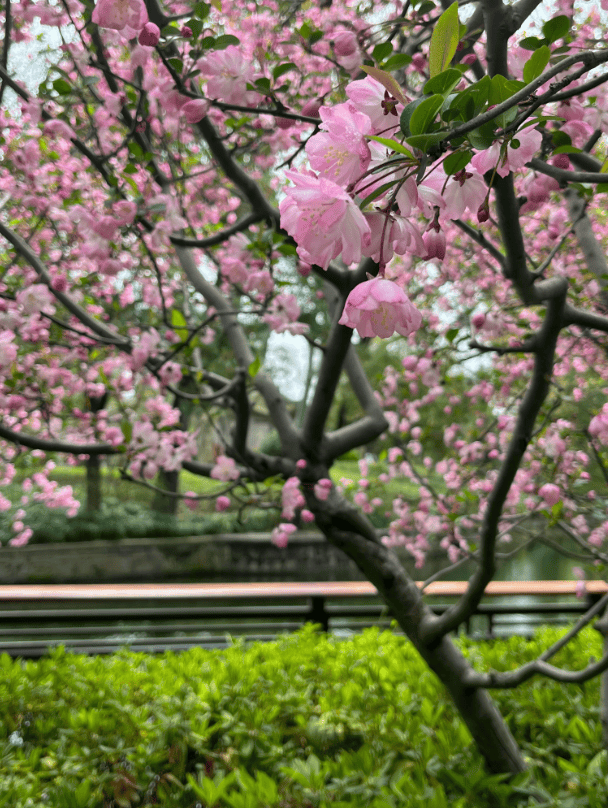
{"x":382,"y":51}
{"x":127,"y":430}
{"x":407,"y":113}
{"x":201,"y":10}
{"x":386,"y":80}
{"x":472,"y":101}
{"x":457,"y":161}
{"x":444,"y":40}
{"x":196,"y":26}
{"x":426,"y":142}
{"x":391,"y":144}
{"x":262,"y":84}
{"x":62,"y":87}
{"x":557,"y":28}
{"x":222,"y":42}
{"x":451,"y":334}
{"x":376,"y":193}
{"x":397,"y":61}
{"x":176,"y":64}
{"x":281,"y":69}
{"x":567,"y":150}
{"x":425,"y":7}
{"x":254,"y":367}
{"x":424,"y":115}
{"x":482,"y":137}
{"x":501,"y":89}
{"x":443,"y":83}
{"x":179,"y":323}
{"x":531,"y":43}
{"x":536,"y":64}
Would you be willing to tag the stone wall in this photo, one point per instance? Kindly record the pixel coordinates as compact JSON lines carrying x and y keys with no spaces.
{"x":230,"y":557}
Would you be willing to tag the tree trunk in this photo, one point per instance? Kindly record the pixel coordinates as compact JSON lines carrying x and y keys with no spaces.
{"x":383,"y":568}
{"x":93,"y":474}
{"x":163,"y":503}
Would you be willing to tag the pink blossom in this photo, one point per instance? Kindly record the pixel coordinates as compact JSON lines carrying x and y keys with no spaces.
{"x":341,"y":153}
{"x":149,"y":35}
{"x":35,"y":298}
{"x":370,"y":97}
{"x":550,"y":493}
{"x":380,"y":307}
{"x":124,"y":212}
{"x":225,"y":469}
{"x":346,"y":49}
{"x":435,"y":243}
{"x":229,"y":73}
{"x":598,"y":426}
{"x":323,"y":220}
{"x":8,"y":349}
{"x":464,"y":190}
{"x":291,"y":498}
{"x":311,"y":108}
{"x":222,"y":503}
{"x":307,"y":516}
{"x":119,"y":14}
{"x":519,"y":150}
{"x":283,"y":314}
{"x":170,"y":373}
{"x":190,"y":500}
{"x":195,"y":110}
{"x":280,"y":535}
{"x":322,"y":488}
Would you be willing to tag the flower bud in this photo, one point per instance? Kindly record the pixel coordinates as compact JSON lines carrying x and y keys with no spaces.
{"x":195,"y":110}
{"x":345,"y":43}
{"x":149,"y":35}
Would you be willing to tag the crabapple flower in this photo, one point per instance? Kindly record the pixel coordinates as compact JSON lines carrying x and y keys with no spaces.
{"x":229,"y":73}
{"x":598,"y":426}
{"x":8,"y":350}
{"x":195,"y":110}
{"x":341,"y":152}
{"x":120,"y":14}
{"x":291,"y":498}
{"x":550,"y":493}
{"x":280,"y":535}
{"x":519,"y":150}
{"x":322,"y":488}
{"x":371,"y":98}
{"x":225,"y":469}
{"x":149,"y":35}
{"x":222,"y":503}
{"x":435,"y":242}
{"x":323,"y":220}
{"x":346,"y":49}
{"x":35,"y":298}
{"x":379,"y":307}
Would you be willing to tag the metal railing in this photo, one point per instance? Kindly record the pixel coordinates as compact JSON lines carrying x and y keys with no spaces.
{"x":101,"y":618}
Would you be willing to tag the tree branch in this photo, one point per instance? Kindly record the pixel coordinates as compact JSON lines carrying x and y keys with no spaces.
{"x":522,"y":434}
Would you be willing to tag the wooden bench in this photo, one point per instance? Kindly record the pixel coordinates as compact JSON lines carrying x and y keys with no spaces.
{"x":100,"y":618}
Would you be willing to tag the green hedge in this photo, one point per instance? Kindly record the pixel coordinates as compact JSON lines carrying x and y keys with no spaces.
{"x":117,"y":520}
{"x":309,"y":721}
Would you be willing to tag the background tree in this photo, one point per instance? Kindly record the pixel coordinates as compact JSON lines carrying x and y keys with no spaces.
{"x":143,"y":246}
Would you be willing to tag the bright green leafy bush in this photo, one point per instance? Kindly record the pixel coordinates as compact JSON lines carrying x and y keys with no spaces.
{"x":309,"y":721}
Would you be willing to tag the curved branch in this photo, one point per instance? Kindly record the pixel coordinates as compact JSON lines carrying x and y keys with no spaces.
{"x":217,"y":238}
{"x":85,"y":318}
{"x":522,"y":435}
{"x":48,"y":445}
{"x":236,"y":336}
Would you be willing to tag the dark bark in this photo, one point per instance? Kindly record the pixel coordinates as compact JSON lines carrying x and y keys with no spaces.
{"x":382,"y":567}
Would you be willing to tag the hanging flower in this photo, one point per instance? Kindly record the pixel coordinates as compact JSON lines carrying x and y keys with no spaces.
{"x":380,"y":307}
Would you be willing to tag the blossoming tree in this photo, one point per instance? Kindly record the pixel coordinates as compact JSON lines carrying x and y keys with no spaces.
{"x":341,"y":172}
